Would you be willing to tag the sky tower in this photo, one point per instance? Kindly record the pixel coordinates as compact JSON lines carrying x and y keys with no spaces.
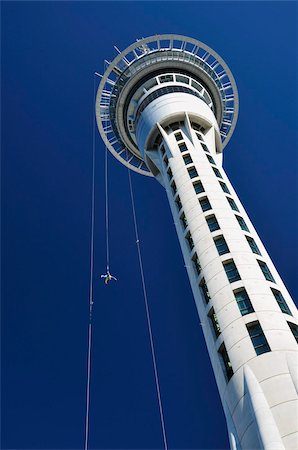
{"x":166,"y":107}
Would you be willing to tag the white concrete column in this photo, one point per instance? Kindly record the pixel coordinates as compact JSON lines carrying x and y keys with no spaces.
{"x":179,"y":156}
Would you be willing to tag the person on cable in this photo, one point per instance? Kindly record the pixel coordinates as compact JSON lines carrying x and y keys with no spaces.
{"x":108,"y":277}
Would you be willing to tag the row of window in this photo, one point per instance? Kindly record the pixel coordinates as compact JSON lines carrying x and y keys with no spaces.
{"x":221,"y":245}
{"x":241,"y":296}
{"x":258,"y":340}
{"x":243,"y":301}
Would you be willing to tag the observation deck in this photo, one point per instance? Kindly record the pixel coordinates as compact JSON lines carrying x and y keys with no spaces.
{"x":153,"y":67}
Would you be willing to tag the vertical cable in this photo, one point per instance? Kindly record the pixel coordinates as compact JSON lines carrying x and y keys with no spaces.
{"x":91,"y":281}
{"x":107,"y":210}
{"x":156,"y":377}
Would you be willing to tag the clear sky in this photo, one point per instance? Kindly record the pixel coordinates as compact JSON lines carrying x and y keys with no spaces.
{"x":50,"y":51}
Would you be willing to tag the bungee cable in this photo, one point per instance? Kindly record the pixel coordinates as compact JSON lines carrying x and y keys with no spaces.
{"x":91,"y":281}
{"x":108,"y":277}
{"x":148,"y":318}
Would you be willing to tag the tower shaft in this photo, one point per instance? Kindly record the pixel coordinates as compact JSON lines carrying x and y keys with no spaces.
{"x":243,"y":305}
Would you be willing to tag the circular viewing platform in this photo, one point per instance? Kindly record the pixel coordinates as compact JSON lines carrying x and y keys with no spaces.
{"x":145,"y":68}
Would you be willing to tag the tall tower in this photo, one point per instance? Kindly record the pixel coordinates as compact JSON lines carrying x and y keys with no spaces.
{"x":166,"y":107}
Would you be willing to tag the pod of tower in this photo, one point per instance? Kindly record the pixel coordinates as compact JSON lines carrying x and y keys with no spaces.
{"x":166,"y":107}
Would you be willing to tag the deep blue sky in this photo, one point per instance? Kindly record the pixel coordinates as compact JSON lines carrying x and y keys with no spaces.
{"x":49,"y":54}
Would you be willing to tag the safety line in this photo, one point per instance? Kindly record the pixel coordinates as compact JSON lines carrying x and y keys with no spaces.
{"x":91,"y":281}
{"x":107,"y":211}
{"x":156,"y":377}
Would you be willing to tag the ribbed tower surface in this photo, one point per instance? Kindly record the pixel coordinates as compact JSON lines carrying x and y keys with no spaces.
{"x":166,"y":107}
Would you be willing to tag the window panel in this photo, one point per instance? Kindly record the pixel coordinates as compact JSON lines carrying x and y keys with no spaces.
{"x":175,"y":126}
{"x":204,"y":291}
{"x":221,"y":245}
{"x":217,"y":172}
{"x":281,"y":301}
{"x":242,"y":223}
{"x":243,"y":302}
{"x":188,"y":237}
{"x":178,"y":203}
{"x":178,"y":136}
{"x":195,"y":126}
{"x":226,"y":363}
{"x":174,"y":187}
{"x":192,"y":171}
{"x":215,"y":325}
{"x":258,"y":338}
{"x":196,"y":263}
{"x":224,"y":187}
{"x":253,"y":245}
{"x":198,"y":187}
{"x":170,"y":174}
{"x":232,"y":204}
{"x":205,"y":204}
{"x":182,"y":147}
{"x":200,"y":137}
{"x":187,"y":159}
{"x":205,"y":148}
{"x":183,"y":221}
{"x":210,"y":159}
{"x":266,"y":272}
{"x":294,"y":329}
{"x":231,"y":271}
{"x":166,"y":78}
{"x":212,"y":223}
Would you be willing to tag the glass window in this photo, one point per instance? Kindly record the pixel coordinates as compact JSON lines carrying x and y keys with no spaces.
{"x":253,"y":245}
{"x":200,"y":137}
{"x":205,"y":148}
{"x":183,"y":220}
{"x":205,"y":204}
{"x":224,"y":187}
{"x":258,"y":338}
{"x":215,"y":325}
{"x":162,"y":149}
{"x":243,"y":301}
{"x":212,"y":223}
{"x":225,"y":361}
{"x":198,"y":187}
{"x":231,"y":271}
{"x":187,"y":159}
{"x":294,"y":329}
{"x":281,"y":301}
{"x":182,"y":147}
{"x":242,"y":224}
{"x":232,"y":204}
{"x":175,"y":126}
{"x":174,"y":187}
{"x":221,"y":245}
{"x":166,"y":161}
{"x":192,"y":172}
{"x":195,"y":126}
{"x":166,"y":78}
{"x":266,"y":272}
{"x":217,"y":172}
{"x":182,"y":79}
{"x":196,"y":263}
{"x":178,"y":136}
{"x":178,"y":203}
{"x":188,"y":237}
{"x":210,"y":159}
{"x":204,"y":291}
{"x":170,"y":174}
